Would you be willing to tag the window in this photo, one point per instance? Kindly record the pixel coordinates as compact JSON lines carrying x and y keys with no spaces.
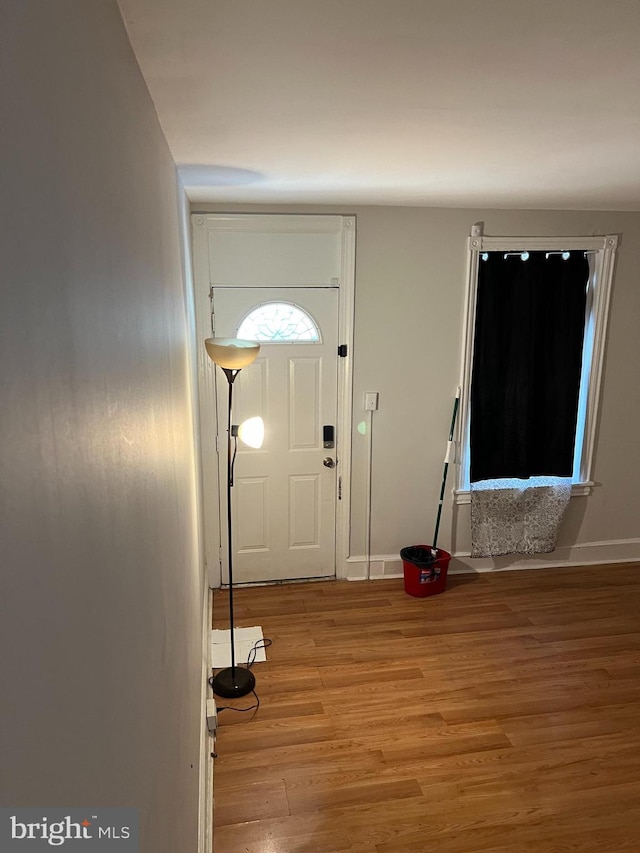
{"x":578,"y":332}
{"x":279,"y":322}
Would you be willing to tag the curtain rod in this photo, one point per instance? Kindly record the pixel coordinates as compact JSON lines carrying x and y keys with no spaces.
{"x":525,"y":255}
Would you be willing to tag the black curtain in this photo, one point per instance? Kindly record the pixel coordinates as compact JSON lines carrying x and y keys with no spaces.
{"x":530,"y":321}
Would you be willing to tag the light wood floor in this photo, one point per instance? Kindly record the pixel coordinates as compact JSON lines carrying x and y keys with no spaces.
{"x":501,"y":716}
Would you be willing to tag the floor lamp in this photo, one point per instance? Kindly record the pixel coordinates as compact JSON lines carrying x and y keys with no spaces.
{"x":231,"y":355}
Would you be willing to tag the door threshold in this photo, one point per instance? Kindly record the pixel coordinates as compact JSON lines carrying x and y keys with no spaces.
{"x":279,"y":582}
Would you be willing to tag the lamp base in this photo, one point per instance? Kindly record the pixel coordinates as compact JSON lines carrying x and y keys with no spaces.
{"x":233,"y":681}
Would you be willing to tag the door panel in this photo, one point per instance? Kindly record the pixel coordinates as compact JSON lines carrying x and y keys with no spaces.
{"x":284,"y":497}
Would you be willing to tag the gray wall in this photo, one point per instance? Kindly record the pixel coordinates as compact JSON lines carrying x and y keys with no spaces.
{"x":410,"y":290}
{"x":102,"y":587}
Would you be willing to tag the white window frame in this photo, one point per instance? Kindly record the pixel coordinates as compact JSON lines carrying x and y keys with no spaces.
{"x":602,"y":261}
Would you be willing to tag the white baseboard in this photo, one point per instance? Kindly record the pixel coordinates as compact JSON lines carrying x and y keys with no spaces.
{"x":376,"y":568}
{"x":207,"y":740}
{"x":584,"y":554}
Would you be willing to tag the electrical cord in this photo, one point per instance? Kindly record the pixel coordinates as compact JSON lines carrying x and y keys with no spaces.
{"x":241,"y":710}
{"x":235,"y":453}
{"x":259,"y":644}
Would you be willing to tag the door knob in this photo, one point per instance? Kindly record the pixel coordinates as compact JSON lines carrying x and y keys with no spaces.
{"x":328,"y":462}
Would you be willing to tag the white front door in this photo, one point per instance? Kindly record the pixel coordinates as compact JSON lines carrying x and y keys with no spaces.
{"x":284,"y":494}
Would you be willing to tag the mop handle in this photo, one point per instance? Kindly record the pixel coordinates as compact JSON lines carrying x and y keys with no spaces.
{"x":456,"y":403}
{"x":446,"y":469}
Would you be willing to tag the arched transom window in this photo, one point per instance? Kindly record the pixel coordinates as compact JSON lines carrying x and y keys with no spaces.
{"x":279,"y":322}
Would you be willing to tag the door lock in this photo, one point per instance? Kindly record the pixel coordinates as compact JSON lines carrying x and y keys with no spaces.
{"x":328,"y":436}
{"x":328,"y":462}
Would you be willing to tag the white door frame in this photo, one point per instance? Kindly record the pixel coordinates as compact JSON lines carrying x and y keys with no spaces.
{"x":345,"y":227}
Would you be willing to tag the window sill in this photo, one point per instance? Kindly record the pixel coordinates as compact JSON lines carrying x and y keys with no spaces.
{"x":463,"y":496}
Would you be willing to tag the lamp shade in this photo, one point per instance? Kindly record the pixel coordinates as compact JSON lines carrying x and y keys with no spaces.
{"x":232,"y":353}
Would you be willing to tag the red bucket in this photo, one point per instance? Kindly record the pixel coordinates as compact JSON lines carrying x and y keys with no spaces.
{"x":420,"y":576}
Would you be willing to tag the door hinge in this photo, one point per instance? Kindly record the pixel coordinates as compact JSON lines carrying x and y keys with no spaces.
{"x":212,"y":312}
{"x":339,"y":488}
{"x":342,"y":350}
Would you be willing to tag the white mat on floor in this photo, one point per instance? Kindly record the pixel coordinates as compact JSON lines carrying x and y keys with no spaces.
{"x":245,"y":640}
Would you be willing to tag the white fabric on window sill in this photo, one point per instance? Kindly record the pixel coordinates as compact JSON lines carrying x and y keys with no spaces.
{"x":517,"y":516}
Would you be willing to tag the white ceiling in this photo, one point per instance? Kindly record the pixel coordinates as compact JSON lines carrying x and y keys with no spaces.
{"x":452,"y":103}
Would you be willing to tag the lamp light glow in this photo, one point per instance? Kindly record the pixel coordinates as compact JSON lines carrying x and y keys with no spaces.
{"x":251,"y":432}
